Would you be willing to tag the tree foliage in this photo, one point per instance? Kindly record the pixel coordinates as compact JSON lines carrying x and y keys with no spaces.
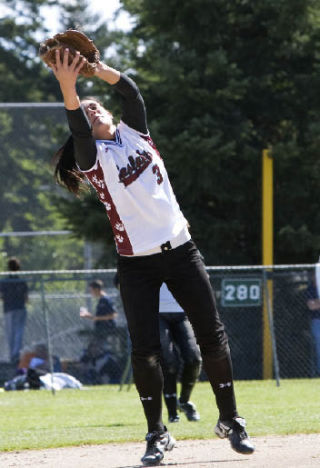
{"x":222,"y":80}
{"x":29,"y":136}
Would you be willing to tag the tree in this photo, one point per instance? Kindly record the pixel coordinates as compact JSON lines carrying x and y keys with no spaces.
{"x":222,"y":80}
{"x":29,"y":136}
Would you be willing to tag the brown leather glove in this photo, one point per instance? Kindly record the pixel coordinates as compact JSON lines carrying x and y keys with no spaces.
{"x":74,"y":41}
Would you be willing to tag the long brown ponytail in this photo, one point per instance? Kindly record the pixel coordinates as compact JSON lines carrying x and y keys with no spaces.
{"x":67,"y":173}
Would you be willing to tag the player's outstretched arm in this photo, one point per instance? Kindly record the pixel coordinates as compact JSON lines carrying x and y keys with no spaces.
{"x":67,"y":75}
{"x":133,"y":108}
{"x":106,"y":73}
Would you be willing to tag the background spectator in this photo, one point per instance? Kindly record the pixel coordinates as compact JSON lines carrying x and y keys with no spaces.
{"x":14,"y":293}
{"x":98,"y":357}
{"x":179,"y":350}
{"x":313,"y":303}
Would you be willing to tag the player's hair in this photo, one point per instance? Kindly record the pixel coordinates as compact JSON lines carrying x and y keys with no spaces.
{"x":67,"y":172}
{"x":13,"y":264}
{"x":96,"y":284}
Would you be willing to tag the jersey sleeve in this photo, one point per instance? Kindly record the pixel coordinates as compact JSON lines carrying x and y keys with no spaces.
{"x":85,"y":150}
{"x":133,"y":107}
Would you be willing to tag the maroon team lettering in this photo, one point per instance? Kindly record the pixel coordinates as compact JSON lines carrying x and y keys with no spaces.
{"x":136,"y":166}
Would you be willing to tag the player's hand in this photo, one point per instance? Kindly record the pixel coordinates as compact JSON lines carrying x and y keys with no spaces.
{"x":66,"y":70}
{"x":84,"y":313}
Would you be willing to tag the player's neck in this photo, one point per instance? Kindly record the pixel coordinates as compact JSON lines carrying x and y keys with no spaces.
{"x":105,"y":132}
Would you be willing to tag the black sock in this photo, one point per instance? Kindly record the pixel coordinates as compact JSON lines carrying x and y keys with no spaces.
{"x":219,"y":372}
{"x":148,"y":378}
{"x":171,"y":403}
{"x":189,"y":377}
{"x":170,"y":392}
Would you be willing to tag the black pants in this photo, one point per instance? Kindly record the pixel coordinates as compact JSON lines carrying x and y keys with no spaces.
{"x":179,"y":351}
{"x":184,"y":273}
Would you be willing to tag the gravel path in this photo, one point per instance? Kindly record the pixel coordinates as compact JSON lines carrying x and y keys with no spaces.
{"x":298,"y":451}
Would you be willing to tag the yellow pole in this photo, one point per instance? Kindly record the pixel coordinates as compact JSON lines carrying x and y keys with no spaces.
{"x":267,"y":253}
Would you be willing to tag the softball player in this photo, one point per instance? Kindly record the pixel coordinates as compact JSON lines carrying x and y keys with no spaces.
{"x":176,"y":332}
{"x":153,"y":244}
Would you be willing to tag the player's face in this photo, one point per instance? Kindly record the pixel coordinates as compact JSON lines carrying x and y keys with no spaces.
{"x":94,"y":292}
{"x":98,"y":116}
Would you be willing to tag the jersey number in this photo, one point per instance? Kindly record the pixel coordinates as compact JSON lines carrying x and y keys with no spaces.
{"x":156,"y":170}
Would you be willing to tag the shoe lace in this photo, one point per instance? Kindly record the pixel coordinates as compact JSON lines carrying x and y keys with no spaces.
{"x":237,"y":427}
{"x":243,"y":435}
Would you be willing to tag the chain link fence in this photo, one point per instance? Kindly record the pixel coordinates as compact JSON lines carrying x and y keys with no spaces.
{"x":265,"y":312}
{"x":268,"y":320}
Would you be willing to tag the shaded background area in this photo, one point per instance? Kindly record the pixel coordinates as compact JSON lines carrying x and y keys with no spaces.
{"x":221,"y":80}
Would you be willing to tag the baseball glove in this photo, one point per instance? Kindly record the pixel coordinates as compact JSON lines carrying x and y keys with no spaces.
{"x":74,"y":41}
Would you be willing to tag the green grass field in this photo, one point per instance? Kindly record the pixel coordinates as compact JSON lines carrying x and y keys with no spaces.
{"x":37,"y":419}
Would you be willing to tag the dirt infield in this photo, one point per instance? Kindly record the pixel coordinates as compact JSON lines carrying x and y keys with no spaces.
{"x":274,"y":451}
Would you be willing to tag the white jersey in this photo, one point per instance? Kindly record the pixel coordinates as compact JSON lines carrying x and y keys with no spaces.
{"x":167,"y":301}
{"x":131,"y":181}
